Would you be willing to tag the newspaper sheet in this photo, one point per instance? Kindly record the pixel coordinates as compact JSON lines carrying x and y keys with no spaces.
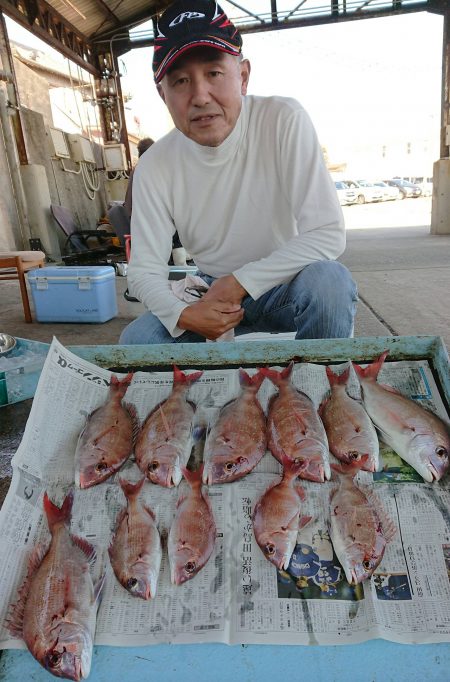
{"x":238,"y":597}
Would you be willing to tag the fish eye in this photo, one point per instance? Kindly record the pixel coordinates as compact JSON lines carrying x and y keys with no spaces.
{"x":229,"y":466}
{"x":441,"y":452}
{"x":354,"y":455}
{"x":269,"y":548}
{"x":101,"y":466}
{"x":54,"y":658}
{"x":131,"y":583}
{"x":299,"y":460}
{"x":153,"y":466}
{"x":189,"y":567}
{"x":366,"y":565}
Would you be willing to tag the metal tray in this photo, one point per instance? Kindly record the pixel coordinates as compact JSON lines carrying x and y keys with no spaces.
{"x":251,"y":353}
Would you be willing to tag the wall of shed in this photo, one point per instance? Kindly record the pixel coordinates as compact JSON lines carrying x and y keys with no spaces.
{"x":61,"y":187}
{"x":33,"y":91}
{"x":65,"y":188}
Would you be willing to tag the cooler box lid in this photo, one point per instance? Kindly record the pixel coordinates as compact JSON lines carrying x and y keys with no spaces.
{"x":72,"y":273}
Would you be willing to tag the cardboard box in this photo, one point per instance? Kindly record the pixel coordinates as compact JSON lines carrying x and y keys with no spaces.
{"x":73,"y":293}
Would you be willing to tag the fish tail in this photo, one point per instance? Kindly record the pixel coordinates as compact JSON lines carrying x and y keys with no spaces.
{"x":180,"y":377}
{"x":194,"y":478}
{"x":291,"y":467}
{"x":337,"y":379}
{"x":350,"y":468}
{"x":118,"y":387}
{"x":57,"y":515}
{"x":372,"y":370}
{"x":254,"y":381}
{"x":278,"y":378}
{"x":131,"y":489}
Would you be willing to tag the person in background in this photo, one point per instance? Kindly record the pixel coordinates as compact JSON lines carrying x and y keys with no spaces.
{"x":142,"y":147}
{"x":243,"y":180}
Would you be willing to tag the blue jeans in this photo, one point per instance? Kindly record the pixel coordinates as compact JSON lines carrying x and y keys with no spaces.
{"x":319,"y":303}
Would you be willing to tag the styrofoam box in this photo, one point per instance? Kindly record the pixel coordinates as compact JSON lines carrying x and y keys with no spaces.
{"x":73,"y":294}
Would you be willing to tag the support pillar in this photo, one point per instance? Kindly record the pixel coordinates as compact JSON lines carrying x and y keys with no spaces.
{"x":440,"y":211}
{"x":13,"y":137}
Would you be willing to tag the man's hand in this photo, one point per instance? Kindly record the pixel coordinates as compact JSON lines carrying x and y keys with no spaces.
{"x":226,"y":289}
{"x":211,"y":318}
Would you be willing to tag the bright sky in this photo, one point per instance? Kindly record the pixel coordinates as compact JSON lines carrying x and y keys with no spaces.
{"x":362,"y":79}
{"x":359,"y":80}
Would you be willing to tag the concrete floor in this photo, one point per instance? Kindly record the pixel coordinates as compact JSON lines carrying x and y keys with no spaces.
{"x":402,"y":272}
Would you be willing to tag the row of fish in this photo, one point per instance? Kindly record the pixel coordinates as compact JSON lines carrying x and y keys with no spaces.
{"x":237,"y":440}
{"x":359,"y":527}
{"x":55,"y":613}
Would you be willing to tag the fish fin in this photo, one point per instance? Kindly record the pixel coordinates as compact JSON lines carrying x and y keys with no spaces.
{"x":119,"y":386}
{"x":293,"y":523}
{"x":180,"y":500}
{"x":14,"y":619}
{"x":180,"y":377}
{"x":120,"y":516}
{"x":150,"y":511}
{"x":194,"y":478}
{"x":323,"y":403}
{"x":387,"y":526}
{"x":88,"y":550}
{"x":135,"y":421}
{"x":255,"y":381}
{"x":372,"y":370}
{"x":130,"y":489}
{"x":275,"y":377}
{"x":301,"y":491}
{"x":56,"y":515}
{"x":337,"y":379}
{"x":303,"y":521}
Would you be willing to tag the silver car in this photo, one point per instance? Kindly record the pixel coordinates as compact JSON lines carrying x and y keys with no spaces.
{"x":389,"y":193}
{"x":365,"y":191}
{"x":346,"y":196}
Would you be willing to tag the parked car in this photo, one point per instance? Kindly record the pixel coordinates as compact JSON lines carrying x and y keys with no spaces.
{"x":389,"y":192}
{"x":346,"y":195}
{"x":425,"y":184}
{"x":407,"y":189}
{"x":365,"y":191}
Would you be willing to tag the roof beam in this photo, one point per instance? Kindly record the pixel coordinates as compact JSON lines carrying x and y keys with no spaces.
{"x":300,"y":16}
{"x":51,"y":27}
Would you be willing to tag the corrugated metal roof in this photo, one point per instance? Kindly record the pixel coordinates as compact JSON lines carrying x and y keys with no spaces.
{"x":98,"y":19}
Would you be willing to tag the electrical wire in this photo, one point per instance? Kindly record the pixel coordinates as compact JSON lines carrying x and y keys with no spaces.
{"x":68,"y":170}
{"x":87,"y":174}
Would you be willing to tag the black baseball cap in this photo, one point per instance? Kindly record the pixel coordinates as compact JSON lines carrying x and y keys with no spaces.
{"x":187,"y":24}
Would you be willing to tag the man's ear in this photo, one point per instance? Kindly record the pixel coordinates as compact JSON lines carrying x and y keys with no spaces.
{"x":161,"y":92}
{"x":245,"y":68}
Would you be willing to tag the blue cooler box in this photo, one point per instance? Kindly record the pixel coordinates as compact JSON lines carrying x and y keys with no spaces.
{"x":73,"y":294}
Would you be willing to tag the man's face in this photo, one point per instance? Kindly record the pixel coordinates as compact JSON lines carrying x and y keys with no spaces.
{"x":203,"y":92}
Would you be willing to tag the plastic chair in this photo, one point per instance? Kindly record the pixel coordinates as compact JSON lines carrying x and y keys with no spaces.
{"x":14,"y":265}
{"x":85,"y":246}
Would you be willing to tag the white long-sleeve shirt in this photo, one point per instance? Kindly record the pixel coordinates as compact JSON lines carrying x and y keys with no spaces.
{"x":261,"y":205}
